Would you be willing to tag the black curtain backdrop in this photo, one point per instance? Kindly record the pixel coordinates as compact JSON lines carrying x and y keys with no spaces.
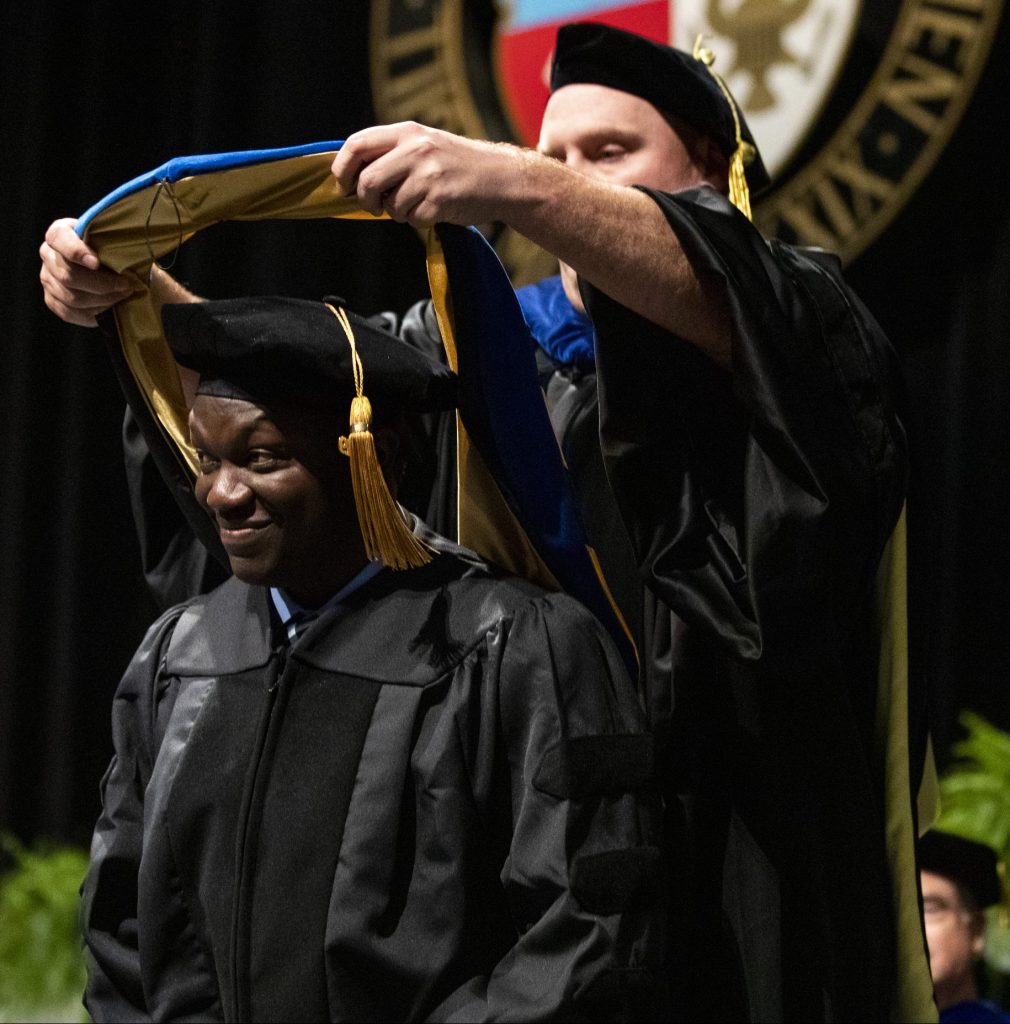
{"x":95,"y":93}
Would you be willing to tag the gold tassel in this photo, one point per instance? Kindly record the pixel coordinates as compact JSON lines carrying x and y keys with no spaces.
{"x":383,"y":527}
{"x":743,"y":155}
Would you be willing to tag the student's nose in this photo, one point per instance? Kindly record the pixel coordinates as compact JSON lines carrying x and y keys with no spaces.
{"x":228,"y":491}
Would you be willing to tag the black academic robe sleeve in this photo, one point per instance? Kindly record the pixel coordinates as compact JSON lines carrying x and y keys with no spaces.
{"x":583,"y":875}
{"x":744,"y":491}
{"x":109,"y":918}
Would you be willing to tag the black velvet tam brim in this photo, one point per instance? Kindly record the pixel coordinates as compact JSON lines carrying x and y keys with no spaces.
{"x":971,"y":865}
{"x":271,"y":349}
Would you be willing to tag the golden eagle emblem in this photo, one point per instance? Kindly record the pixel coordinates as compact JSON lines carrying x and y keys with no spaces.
{"x":757,"y":27}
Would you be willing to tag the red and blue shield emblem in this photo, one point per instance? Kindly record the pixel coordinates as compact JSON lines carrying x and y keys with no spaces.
{"x":526,"y":42}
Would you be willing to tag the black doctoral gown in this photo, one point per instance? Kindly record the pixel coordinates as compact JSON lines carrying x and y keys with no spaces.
{"x":757,"y":504}
{"x":740,"y":518}
{"x":433,"y":805}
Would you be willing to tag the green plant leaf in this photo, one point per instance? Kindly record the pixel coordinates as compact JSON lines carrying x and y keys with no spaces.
{"x":41,"y":966}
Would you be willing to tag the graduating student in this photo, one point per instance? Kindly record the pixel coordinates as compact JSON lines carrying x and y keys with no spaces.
{"x":727,"y":408}
{"x":347,"y":791}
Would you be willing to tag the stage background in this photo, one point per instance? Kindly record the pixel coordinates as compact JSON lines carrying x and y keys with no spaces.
{"x":93,"y":94}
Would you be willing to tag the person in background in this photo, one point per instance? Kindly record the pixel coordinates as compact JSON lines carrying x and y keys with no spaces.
{"x":959,"y":881}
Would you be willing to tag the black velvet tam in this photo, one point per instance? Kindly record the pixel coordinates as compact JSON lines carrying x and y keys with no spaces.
{"x":671,"y":80}
{"x":971,"y":865}
{"x":271,"y":350}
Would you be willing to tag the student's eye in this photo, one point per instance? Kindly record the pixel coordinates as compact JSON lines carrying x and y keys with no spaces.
{"x":263,"y":459}
{"x":611,"y":153}
{"x":207,"y":463}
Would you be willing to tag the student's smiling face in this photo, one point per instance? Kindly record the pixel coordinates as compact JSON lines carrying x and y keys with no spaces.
{"x":280,"y":494}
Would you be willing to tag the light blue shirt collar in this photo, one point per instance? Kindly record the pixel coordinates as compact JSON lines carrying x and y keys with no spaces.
{"x":292,"y":613}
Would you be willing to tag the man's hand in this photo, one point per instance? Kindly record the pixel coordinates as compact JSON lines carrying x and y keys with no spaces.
{"x":77,"y":287}
{"x":423,"y":176}
{"x":613,"y":236}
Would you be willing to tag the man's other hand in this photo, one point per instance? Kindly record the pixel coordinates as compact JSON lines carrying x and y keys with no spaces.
{"x":75,"y":284}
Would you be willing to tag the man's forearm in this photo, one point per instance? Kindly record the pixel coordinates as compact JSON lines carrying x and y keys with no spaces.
{"x":611,"y":234}
{"x":616,"y":238}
